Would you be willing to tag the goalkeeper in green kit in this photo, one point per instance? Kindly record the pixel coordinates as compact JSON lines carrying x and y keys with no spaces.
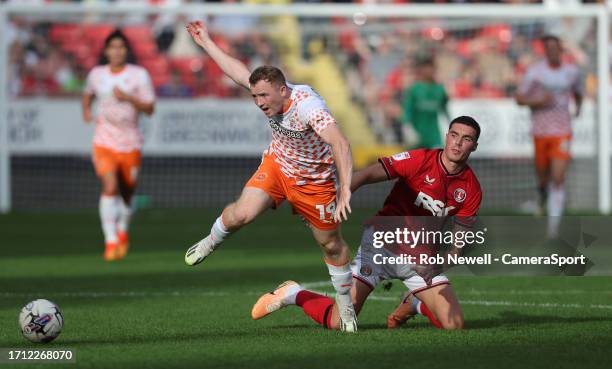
{"x":422,"y":102}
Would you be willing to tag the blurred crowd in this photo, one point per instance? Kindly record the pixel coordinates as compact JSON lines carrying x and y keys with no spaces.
{"x":53,"y":59}
{"x":473,"y":59}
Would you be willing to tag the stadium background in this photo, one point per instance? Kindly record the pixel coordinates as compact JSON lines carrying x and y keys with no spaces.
{"x":151,"y":311}
{"x":199,"y":152}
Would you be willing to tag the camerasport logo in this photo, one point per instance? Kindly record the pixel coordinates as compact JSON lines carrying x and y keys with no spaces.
{"x":459,"y":195}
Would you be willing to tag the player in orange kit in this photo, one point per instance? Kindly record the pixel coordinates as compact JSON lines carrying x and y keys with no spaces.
{"x":308,"y":163}
{"x":547,"y":89}
{"x":124,"y":91}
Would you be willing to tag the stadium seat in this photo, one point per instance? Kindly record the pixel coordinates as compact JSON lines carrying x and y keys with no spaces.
{"x":137,"y":34}
{"x":145,"y":49}
{"x":187,"y":65}
{"x":59,"y":31}
{"x":97,"y":33}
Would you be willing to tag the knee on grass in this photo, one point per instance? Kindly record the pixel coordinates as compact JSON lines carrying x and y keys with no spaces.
{"x":452,"y":323}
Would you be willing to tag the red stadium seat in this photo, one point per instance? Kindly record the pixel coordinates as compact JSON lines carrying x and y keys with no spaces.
{"x":59,"y":31}
{"x":156,"y":65}
{"x":187,"y":65}
{"x":146,"y":49}
{"x":97,"y":33}
{"x":137,"y":34}
{"x":538,"y":47}
{"x":160,"y":79}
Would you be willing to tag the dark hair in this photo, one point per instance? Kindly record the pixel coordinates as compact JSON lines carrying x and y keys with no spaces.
{"x":267,"y":73}
{"x":424,"y":61}
{"x":468,"y":121}
{"x":130,"y":58}
{"x":550,"y":37}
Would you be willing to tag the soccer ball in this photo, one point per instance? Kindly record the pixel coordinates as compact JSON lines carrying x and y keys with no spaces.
{"x":41,"y":321}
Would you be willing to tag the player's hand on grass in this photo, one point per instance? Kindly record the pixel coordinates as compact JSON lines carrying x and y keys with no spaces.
{"x":199,"y":32}
{"x":343,"y":207}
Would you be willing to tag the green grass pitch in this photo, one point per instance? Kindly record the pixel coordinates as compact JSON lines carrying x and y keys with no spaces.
{"x":152,"y":311}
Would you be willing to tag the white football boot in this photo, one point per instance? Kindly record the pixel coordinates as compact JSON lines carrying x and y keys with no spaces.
{"x":198,"y":252}
{"x":348,"y":318}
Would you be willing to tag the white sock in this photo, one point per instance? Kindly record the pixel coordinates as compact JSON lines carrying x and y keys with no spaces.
{"x":555,"y":206}
{"x":218,"y":233}
{"x":109,"y":211}
{"x":416,"y":305}
{"x":292,"y":293}
{"x":341,"y":277}
{"x":125,"y":215}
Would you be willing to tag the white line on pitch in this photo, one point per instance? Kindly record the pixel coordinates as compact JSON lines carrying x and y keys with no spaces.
{"x":492,"y":303}
{"x":499,"y":291}
{"x":145,"y":294}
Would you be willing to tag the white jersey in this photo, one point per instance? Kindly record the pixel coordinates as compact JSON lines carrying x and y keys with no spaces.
{"x":562,"y":82}
{"x":296,"y":144}
{"x":116,"y":121}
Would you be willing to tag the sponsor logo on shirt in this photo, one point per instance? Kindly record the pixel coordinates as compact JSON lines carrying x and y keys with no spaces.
{"x":436,"y":207}
{"x":429,"y":181}
{"x":284,"y":131}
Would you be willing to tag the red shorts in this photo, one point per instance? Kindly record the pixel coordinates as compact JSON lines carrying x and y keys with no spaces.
{"x":316,"y":203}
{"x":125,"y":164}
{"x":549,"y":148}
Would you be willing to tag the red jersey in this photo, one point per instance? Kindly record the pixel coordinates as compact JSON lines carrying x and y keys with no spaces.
{"x":425,"y":188}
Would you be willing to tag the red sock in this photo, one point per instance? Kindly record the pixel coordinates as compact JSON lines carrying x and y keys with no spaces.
{"x":423,"y":309}
{"x":316,"y":306}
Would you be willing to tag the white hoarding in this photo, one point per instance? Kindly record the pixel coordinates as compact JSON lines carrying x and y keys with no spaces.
{"x":236,"y":127}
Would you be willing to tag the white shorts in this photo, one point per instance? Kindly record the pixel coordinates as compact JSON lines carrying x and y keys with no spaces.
{"x":372,"y":274}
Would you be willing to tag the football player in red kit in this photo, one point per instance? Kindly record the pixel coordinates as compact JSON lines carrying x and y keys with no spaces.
{"x":436,"y":182}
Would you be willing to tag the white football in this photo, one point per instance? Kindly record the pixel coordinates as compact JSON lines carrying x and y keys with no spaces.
{"x":41,"y":321}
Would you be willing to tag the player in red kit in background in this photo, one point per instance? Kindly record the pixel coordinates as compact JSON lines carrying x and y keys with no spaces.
{"x":434,"y":182}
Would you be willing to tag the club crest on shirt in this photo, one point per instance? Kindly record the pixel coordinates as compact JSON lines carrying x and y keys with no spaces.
{"x":366,"y":270}
{"x":459,"y":195}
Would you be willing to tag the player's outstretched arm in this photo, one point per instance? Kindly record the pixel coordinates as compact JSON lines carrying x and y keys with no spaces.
{"x":232,"y":67}
{"x":341,"y":150}
{"x":372,"y":174}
